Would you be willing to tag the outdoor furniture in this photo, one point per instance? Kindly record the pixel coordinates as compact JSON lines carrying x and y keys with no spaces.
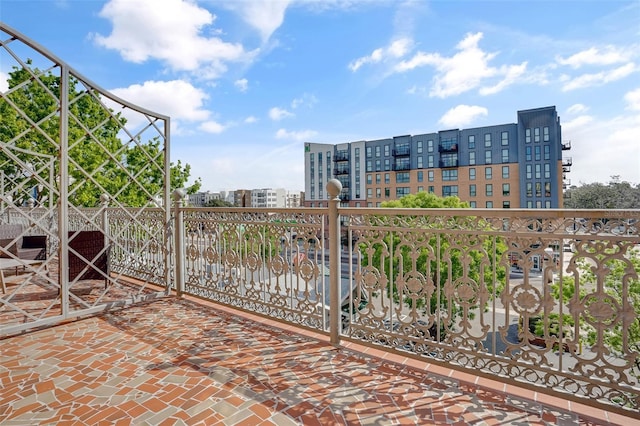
{"x":14,"y":263}
{"x":18,"y":251}
{"x":89,"y":245}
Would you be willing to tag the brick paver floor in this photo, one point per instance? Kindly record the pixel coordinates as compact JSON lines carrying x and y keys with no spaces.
{"x":181,"y":362}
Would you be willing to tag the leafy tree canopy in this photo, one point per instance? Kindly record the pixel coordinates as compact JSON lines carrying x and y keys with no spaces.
{"x":426,"y":200}
{"x":131,"y":172}
{"x":613,"y":195}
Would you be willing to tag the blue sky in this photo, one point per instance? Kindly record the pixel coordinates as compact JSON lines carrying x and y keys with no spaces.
{"x":248,"y":82}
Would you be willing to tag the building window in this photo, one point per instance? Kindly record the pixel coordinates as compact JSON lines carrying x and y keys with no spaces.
{"x":529,"y":204}
{"x":547,"y":204}
{"x":505,"y":155}
{"x":369,"y":179}
{"x":429,"y":160}
{"x":401,"y":191}
{"x":547,"y":189}
{"x":402,"y":177}
{"x":449,"y":160}
{"x":538,"y":189}
{"x":369,"y":193}
{"x":538,"y":204}
{"x":488,"y":173}
{"x":421,"y":189}
{"x":378,"y":193}
{"x":489,"y":189}
{"x":432,"y":189}
{"x":369,"y":155}
{"x":489,"y":204}
{"x":505,"y":172}
{"x":420,"y":165}
{"x":377,"y":178}
{"x":387,"y":149}
{"x":450,"y":190}
{"x":472,"y":204}
{"x":419,"y":147}
{"x":449,"y":175}
{"x":487,"y":140}
{"x":536,"y":134}
{"x":369,"y":166}
{"x":472,"y":142}
{"x":536,"y":151}
{"x":538,"y":172}
{"x":527,"y":135}
{"x":504,"y":137}
{"x":506,"y":204}
{"x":547,"y":152}
{"x":472,"y":190}
{"x":487,"y":157}
{"x":545,"y":134}
{"x":430,"y":145}
{"x":387,"y":193}
{"x":378,"y":151}
{"x":387,"y":178}
{"x":430,"y":175}
{"x":527,"y":153}
{"x":529,"y":189}
{"x":472,"y":173}
{"x":420,"y":176}
{"x":528,"y":171}
{"x":378,"y":166}
{"x":472,"y":158}
{"x":547,"y":170}
{"x":506,"y":189}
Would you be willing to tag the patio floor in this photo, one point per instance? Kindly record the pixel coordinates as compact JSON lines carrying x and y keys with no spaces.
{"x":182,"y":361}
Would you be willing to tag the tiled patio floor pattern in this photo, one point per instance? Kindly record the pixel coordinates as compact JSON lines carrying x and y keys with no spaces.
{"x":177,"y":362}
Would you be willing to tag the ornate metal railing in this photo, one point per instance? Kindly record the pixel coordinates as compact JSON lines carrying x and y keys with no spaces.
{"x":545,"y":298}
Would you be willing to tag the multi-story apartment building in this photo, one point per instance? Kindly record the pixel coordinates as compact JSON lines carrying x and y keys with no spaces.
{"x":268,"y":197}
{"x":517,"y":165}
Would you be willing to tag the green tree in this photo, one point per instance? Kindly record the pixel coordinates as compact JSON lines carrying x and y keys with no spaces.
{"x":219,"y":203}
{"x":613,"y":195}
{"x":467,"y":258}
{"x":99,"y":161}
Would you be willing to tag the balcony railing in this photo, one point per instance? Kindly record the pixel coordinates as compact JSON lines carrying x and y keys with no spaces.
{"x":402,"y":151}
{"x":341,"y":156}
{"x":493,"y":292}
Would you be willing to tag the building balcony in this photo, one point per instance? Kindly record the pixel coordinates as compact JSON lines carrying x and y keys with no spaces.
{"x":566,"y":145}
{"x":341,"y":171}
{"x":448,"y":147}
{"x":401,"y":151}
{"x":234,"y":330}
{"x":401,"y":167}
{"x":567,"y":161}
{"x":448,"y":164}
{"x":341,"y":156}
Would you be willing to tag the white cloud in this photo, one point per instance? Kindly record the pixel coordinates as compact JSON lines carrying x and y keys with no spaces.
{"x":250,"y":119}
{"x":265,"y":16}
{"x":598,"y":79}
{"x":462,"y":115}
{"x":593,"y":56}
{"x":465,"y":70}
{"x":511,"y":74}
{"x":633,"y":100}
{"x":169,"y":31}
{"x":277,"y":114}
{"x":177,"y":98}
{"x":242,"y":84}
{"x":4,"y":84}
{"x":397,"y":49}
{"x":577,"y":109}
{"x":577,"y":123}
{"x":591,"y":161}
{"x":305,"y":99}
{"x":212,"y":127}
{"x":301,"y":136}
